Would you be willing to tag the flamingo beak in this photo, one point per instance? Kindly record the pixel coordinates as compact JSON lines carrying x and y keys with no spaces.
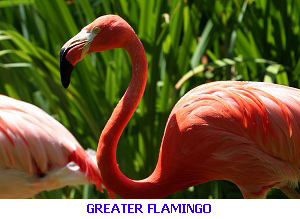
{"x":72,"y":52}
{"x":66,"y":68}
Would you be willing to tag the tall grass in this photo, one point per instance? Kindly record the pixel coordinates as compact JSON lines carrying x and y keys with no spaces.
{"x":190,"y":42}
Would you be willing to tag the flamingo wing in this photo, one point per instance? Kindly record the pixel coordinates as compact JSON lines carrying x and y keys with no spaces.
{"x":37,"y":153}
{"x":244,"y":132}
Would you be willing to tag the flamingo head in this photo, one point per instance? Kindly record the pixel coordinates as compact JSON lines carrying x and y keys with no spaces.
{"x":105,"y":33}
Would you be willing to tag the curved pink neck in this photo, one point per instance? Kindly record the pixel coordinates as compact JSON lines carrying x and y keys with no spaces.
{"x":113,"y":178}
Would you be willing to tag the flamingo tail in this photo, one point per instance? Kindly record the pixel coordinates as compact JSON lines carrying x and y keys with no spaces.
{"x":291,"y":193}
{"x":88,"y":165}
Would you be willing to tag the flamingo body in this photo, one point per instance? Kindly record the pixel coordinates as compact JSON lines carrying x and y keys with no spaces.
{"x":243,"y":132}
{"x":37,"y":153}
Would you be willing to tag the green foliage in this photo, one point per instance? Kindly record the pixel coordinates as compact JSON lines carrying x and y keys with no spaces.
{"x":218,"y":40}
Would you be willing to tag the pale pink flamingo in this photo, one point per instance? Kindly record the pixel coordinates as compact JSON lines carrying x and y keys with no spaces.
{"x":243,"y":132}
{"x":37,"y":153}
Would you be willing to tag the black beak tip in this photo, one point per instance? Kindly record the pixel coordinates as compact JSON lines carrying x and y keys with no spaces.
{"x":65,"y":81}
{"x":65,"y":74}
{"x":66,"y":68}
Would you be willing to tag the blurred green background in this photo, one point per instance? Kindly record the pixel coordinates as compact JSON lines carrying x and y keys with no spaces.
{"x":188,"y":43}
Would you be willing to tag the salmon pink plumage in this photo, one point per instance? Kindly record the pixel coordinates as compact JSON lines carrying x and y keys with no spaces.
{"x":244,"y":132}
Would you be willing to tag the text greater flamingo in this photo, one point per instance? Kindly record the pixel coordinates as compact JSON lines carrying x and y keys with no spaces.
{"x":37,"y":153}
{"x":243,"y":132}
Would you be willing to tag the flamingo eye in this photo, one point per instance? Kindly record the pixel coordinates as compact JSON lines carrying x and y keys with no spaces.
{"x":96,"y":30}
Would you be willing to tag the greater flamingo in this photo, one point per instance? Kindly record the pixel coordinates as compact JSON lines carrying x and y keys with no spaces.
{"x":37,"y":153}
{"x":243,"y":132}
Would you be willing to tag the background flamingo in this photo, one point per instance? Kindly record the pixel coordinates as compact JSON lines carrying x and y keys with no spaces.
{"x":37,"y":153}
{"x":243,"y":132}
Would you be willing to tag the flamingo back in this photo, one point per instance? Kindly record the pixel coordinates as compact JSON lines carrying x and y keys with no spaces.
{"x":244,"y":132}
{"x":37,"y":153}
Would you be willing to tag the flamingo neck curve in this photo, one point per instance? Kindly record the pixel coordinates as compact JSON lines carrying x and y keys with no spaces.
{"x":113,"y":178}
